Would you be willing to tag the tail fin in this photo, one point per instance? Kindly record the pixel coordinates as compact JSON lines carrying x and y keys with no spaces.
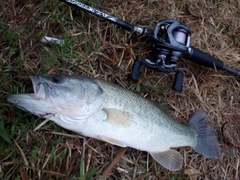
{"x":207,"y":143}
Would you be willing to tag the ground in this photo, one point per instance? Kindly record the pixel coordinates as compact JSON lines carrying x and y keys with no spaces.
{"x":98,"y":48}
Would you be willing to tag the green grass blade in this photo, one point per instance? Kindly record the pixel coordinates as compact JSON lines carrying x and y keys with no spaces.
{"x":3,"y":133}
{"x":91,"y":173}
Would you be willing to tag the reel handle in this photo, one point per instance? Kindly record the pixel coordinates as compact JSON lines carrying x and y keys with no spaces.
{"x":136,"y":70}
{"x":178,"y":81}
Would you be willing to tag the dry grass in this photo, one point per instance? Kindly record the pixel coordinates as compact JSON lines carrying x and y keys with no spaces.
{"x":97,"y":48}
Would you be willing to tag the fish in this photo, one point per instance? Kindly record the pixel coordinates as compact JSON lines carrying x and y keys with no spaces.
{"x":107,"y":112}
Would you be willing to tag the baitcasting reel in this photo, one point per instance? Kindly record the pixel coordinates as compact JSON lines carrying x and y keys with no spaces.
{"x":171,"y":39}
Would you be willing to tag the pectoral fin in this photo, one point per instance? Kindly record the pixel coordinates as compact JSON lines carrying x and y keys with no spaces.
{"x":170,"y":159}
{"x":118,"y":117}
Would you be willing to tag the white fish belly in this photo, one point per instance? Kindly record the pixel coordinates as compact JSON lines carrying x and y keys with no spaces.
{"x":142,"y":135}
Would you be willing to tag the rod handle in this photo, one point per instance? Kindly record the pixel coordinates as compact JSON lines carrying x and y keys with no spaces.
{"x":202,"y":58}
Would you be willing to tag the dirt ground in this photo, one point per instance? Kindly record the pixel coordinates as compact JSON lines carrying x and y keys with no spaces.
{"x":98,"y":48}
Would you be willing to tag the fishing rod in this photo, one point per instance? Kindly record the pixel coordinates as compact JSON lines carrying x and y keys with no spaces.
{"x":170,"y":41}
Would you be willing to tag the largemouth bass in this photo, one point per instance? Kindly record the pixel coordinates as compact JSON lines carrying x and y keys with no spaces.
{"x":107,"y":112}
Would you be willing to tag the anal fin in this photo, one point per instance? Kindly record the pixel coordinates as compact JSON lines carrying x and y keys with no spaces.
{"x":170,"y":159}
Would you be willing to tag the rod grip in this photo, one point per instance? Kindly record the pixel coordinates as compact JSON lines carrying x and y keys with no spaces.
{"x":202,"y":58}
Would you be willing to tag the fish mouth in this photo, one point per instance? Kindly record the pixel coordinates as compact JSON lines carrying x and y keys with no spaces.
{"x":35,"y":82}
{"x":40,"y":90}
{"x":36,"y":101}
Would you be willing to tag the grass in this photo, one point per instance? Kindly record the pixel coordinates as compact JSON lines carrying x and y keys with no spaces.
{"x":97,"y":48}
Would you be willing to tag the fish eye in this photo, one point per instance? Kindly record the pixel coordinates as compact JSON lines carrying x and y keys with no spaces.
{"x":57,"y":79}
